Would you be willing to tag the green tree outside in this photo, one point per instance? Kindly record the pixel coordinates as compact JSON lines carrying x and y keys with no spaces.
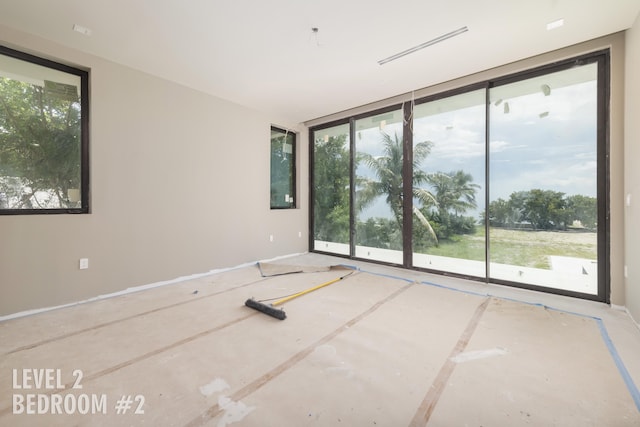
{"x":389,"y":183}
{"x":543,"y":210}
{"x":331,"y":189}
{"x":442,"y":198}
{"x":40,"y":149}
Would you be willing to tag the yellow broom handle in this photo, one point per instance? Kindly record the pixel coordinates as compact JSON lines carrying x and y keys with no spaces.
{"x":306,"y":291}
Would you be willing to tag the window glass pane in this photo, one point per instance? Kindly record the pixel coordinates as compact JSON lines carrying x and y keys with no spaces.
{"x":40,"y":138}
{"x":448,"y":184}
{"x":379,"y":192}
{"x":543,"y":180}
{"x":331,"y":189}
{"x":282,"y":169}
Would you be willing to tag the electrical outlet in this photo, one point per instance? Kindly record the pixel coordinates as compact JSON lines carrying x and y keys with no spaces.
{"x":271,"y":237}
{"x":84,"y":263}
{"x":299,"y":233}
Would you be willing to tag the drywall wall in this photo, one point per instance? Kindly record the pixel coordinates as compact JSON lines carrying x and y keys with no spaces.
{"x":179,"y":186}
{"x":615,"y":43}
{"x":632,"y":171}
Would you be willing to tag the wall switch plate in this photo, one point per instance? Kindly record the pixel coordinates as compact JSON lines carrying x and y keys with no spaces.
{"x":84,"y":263}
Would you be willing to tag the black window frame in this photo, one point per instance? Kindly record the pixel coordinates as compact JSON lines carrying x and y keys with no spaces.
{"x":292,"y":179}
{"x":84,"y":133}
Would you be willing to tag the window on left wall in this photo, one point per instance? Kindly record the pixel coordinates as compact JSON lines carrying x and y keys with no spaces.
{"x":44,"y":161}
{"x":283,"y":168}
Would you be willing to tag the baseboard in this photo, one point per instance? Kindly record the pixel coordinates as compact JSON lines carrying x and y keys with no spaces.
{"x":632,"y":319}
{"x":626,"y":310}
{"x":140,"y":288}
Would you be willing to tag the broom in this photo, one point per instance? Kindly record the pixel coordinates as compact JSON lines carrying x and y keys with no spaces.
{"x":279,"y":313}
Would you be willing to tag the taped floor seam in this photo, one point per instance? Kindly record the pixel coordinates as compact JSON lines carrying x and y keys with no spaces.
{"x":426,"y":408}
{"x":253,"y":386}
{"x":124,"y":319}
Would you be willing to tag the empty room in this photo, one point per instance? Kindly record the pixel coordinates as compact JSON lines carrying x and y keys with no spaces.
{"x":319,"y":213}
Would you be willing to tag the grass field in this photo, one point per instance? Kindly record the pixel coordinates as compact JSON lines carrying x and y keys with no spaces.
{"x":519,"y":247}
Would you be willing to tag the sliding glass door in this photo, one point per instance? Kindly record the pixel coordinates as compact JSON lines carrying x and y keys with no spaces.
{"x":379,"y":187}
{"x":331,"y":189}
{"x":543,"y":207}
{"x":505,"y":181}
{"x":448,"y":184}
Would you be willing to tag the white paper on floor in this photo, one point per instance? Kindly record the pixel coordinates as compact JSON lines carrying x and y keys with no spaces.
{"x":478,"y":354}
{"x":233,"y":411}
{"x":214,"y":386}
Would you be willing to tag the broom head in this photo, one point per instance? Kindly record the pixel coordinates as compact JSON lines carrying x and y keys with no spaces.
{"x":268,"y":309}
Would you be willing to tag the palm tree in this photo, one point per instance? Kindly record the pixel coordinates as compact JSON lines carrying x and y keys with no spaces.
{"x":388,"y":170}
{"x":454,"y":191}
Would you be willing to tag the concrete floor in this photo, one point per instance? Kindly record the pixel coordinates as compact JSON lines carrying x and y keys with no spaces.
{"x":383,"y":347}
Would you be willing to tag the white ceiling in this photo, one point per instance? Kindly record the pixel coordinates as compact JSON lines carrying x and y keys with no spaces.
{"x":263,"y":53}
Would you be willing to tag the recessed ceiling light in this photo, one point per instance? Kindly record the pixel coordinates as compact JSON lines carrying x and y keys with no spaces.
{"x":555,"y":24}
{"x":82,"y":30}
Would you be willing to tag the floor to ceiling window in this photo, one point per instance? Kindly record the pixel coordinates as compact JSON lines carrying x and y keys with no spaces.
{"x":449,"y":181}
{"x":379,"y":187}
{"x":507,"y":180}
{"x":543,"y":180}
{"x":330,"y":191}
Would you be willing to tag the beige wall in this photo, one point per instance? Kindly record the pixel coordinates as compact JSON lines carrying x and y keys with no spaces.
{"x":616,"y":43}
{"x":179,"y":186}
{"x":632,"y":171}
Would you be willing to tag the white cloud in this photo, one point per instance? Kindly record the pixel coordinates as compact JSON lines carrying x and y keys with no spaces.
{"x":498,"y":146}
